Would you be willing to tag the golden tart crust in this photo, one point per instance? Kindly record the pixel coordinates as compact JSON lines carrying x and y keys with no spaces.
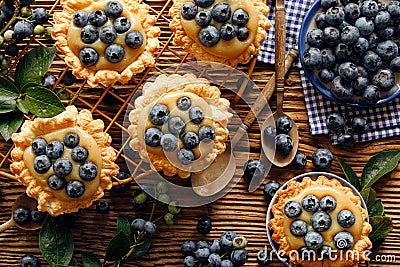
{"x":345,"y":198}
{"x":106,"y":74}
{"x":90,"y":131}
{"x":234,"y":51}
{"x":168,"y":89}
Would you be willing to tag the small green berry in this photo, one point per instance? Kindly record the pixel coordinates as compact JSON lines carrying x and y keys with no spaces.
{"x":47,"y":33}
{"x":164,"y":198}
{"x":173,"y":208}
{"x":4,"y":64}
{"x":39,"y":29}
{"x":141,"y":198}
{"x":64,"y":95}
{"x":26,"y":11}
{"x":169,"y":219}
{"x":239,"y":242}
{"x":9,"y":36}
{"x":162,"y":188}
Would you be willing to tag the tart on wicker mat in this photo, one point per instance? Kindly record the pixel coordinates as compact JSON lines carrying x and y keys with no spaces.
{"x":106,"y":41}
{"x":224,"y":31}
{"x":66,"y":162}
{"x":179,"y":124}
{"x":323,"y":221}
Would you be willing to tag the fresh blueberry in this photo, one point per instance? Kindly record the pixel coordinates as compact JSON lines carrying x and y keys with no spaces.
{"x":189,"y":10}
{"x":40,"y":15}
{"x":122,"y":24}
{"x":215,"y":247}
{"x":327,"y":203}
{"x":393,"y":7}
{"x":360,"y":125}
{"x":88,"y":56}
{"x":310,"y":203}
{"x":312,"y":58}
{"x":114,"y":53}
{"x":204,"y":3}
{"x":149,"y":228}
{"x":284,"y":124}
{"x":38,"y":216}
{"x":88,"y":171}
{"x":97,"y":18}
{"x":42,"y":164}
{"x":62,"y":167}
{"x":348,"y":71}
{"x":11,"y":50}
{"x":79,"y":154}
{"x":335,"y":15}
{"x":23,"y":29}
{"x":369,"y":8}
{"x":254,"y":169}
{"x":242,"y":33}
{"x":134,"y":39}
{"x":184,"y":103}
{"x":49,"y":81}
{"x":202,"y":254}
{"x":371,"y":61}
{"x":350,"y":35}
{"x":68,"y":78}
{"x":22,"y":3}
{"x":326,"y":4}
{"x":89,"y":34}
{"x":351,"y":12}
{"x":187,"y":247}
{"x":221,"y":12}
{"x":29,"y":260}
{"x":343,"y":52}
{"x":206,"y":133}
{"x":284,"y":144}
{"x":263,"y":257}
{"x":346,"y":139}
{"x":346,"y":218}
{"x":185,"y":156}
{"x":80,"y":18}
{"x":387,"y":50}
{"x":365,"y":26}
{"x":313,"y":240}
{"x":203,"y":18}
{"x":298,"y":228}
{"x":22,"y":215}
{"x":322,"y":158}
{"x":239,"y":257}
{"x":75,"y":188}
{"x":382,"y":19}
{"x":228,"y":32}
{"x":362,"y":72}
{"x":300,"y":160}
{"x":108,"y":34}
{"x":371,"y":94}
{"x":331,"y":36}
{"x":335,"y":122}
{"x":315,"y":38}
{"x":343,"y":240}
{"x":214,"y":260}
{"x":55,"y":182}
{"x":202,"y":244}
{"x":190,"y":140}
{"x":189,"y":261}
{"x":39,"y":146}
{"x":343,"y":25}
{"x":373,"y":41}
{"x":226,"y":263}
{"x":102,"y":207}
{"x":226,"y":239}
{"x":54,"y":149}
{"x":270,"y":131}
{"x":340,"y":89}
{"x":361,"y":46}
{"x":240,"y":17}
{"x":196,"y":115}
{"x":71,"y":140}
{"x":320,"y":20}
{"x":113,"y":9}
{"x":159,"y":114}
{"x":270,"y":189}
{"x":328,"y":58}
{"x":169,"y":142}
{"x":121,"y":188}
{"x":395,"y":64}
{"x":321,"y":221}
{"x":176,"y":125}
{"x":292,"y":209}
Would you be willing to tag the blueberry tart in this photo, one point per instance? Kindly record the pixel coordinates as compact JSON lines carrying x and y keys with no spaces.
{"x":224,"y":31}
{"x":106,"y":41}
{"x":320,"y":219}
{"x":179,"y":124}
{"x":66,"y":162}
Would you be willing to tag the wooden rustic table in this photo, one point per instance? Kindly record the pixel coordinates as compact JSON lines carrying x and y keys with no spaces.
{"x":239,"y":210}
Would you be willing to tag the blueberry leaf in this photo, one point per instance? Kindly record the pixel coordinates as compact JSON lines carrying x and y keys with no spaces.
{"x":379,"y":165}
{"x":10,"y":124}
{"x":118,"y":247}
{"x":7,"y":106}
{"x":8,"y":90}
{"x":42,"y":102}
{"x":351,"y":176}
{"x":142,"y":249}
{"x":56,"y":243}
{"x":369,"y":196}
{"x":124,"y":224}
{"x":90,"y":260}
{"x":381,"y":227}
{"x":21,"y":105}
{"x":376,"y":209}
{"x":33,"y":65}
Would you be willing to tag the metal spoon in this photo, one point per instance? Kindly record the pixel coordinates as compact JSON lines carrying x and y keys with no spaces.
{"x":268,"y":144}
{"x":22,"y":201}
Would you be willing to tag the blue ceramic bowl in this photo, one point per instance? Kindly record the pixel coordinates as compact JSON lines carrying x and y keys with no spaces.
{"x":308,"y":24}
{"x":299,"y":178}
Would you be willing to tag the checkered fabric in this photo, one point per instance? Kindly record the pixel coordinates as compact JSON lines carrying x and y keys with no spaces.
{"x":384,"y":121}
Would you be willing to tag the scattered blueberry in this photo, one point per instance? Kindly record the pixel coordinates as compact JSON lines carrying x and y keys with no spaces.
{"x":152,"y":137}
{"x":149,"y":228}
{"x":228,"y":32}
{"x":284,"y":144}
{"x":292,"y":209}
{"x":113,"y":9}
{"x":189,"y":261}
{"x":196,"y":115}
{"x":62,"y":167}
{"x":214,"y":260}
{"x":254,"y":169}
{"x":41,"y":164}
{"x":239,"y":257}
{"x":114,"y":53}
{"x":204,"y":225}
{"x":39,"y":146}
{"x":187,"y":247}
{"x":89,"y":34}
{"x":327,"y":203}
{"x":226,"y":263}
{"x":209,"y":36}
{"x":68,"y":78}
{"x":55,"y":182}
{"x":313,"y":240}
{"x":121,"y":188}
{"x":40,"y":15}
{"x":346,"y":139}
{"x":226,"y":239}
{"x":189,"y":10}
{"x":88,"y":171}
{"x":23,"y":29}
{"x":183,"y":103}
{"x":321,"y":221}
{"x":134,"y":39}
{"x":298,"y":228}
{"x":310,"y":203}
{"x":206,"y":133}
{"x":75,"y":188}
{"x":185,"y":156}
{"x":190,"y":140}
{"x":240,"y":17}
{"x":159,"y":114}
{"x":102,"y":207}
{"x":346,"y":218}
{"x":169,"y":142}
{"x":360,"y":125}
{"x":322,"y":158}
{"x":97,"y":18}
{"x":335,"y":122}
{"x":270,"y":189}
{"x":122,"y":24}
{"x":80,"y":18}
{"x":202,"y":244}
{"x":221,"y":12}
{"x":284,"y":124}
{"x":38,"y":216}
{"x":300,"y":160}
{"x":22,"y":215}
{"x":49,"y":81}
{"x":108,"y":34}
{"x":29,"y":260}
{"x":215,"y":247}
{"x":203,"y":18}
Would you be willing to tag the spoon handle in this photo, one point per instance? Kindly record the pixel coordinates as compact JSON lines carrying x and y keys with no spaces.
{"x":280,"y":50}
{"x":7,"y":224}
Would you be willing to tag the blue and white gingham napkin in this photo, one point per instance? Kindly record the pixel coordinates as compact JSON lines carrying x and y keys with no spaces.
{"x":384,"y":121}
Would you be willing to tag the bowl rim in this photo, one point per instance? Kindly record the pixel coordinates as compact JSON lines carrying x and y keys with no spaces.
{"x":302,"y":44}
{"x":300,"y":177}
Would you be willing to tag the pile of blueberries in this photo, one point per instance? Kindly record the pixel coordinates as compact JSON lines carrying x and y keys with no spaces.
{"x":233,"y":22}
{"x":320,"y":222}
{"x":93,"y":28}
{"x":354,"y":48}
{"x":50,"y":155}
{"x":228,"y":251}
{"x":168,"y":138}
{"x":283,"y":143}
{"x":346,"y":130}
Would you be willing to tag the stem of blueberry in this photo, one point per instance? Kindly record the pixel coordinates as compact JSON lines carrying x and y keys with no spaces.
{"x":14,"y":18}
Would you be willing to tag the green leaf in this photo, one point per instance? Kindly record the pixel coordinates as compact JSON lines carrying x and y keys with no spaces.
{"x":10,"y":123}
{"x":7,"y":106}
{"x":351,"y":176}
{"x":124,"y":225}
{"x":376,"y":209}
{"x":379,"y":165}
{"x":90,"y":260}
{"x":381,"y":226}
{"x":369,"y":196}
{"x":118,"y":247}
{"x":43,"y":102}
{"x":142,"y":249}
{"x":33,"y":66}
{"x":21,"y":105}
{"x":7,"y":89}
{"x":31,"y":84}
{"x":56,"y":243}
